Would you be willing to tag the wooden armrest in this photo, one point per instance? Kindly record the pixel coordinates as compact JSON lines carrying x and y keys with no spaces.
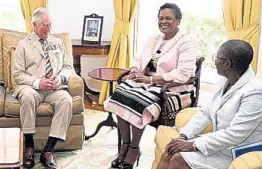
{"x":190,"y":81}
{"x":121,"y":76}
{"x":170,"y":84}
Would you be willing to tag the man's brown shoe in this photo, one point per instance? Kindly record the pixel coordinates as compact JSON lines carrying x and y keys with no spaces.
{"x":48,"y":160}
{"x":29,"y":157}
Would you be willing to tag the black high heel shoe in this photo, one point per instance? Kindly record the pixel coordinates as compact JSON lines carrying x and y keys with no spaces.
{"x":116,"y":163}
{"x":131,"y":152}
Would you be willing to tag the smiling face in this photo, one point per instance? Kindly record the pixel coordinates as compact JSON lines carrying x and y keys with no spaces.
{"x":42,"y":29}
{"x":167,"y":22}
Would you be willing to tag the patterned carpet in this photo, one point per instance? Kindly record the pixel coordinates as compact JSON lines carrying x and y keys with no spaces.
{"x":99,"y":151}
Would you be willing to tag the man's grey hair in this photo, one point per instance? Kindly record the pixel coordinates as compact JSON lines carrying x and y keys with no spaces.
{"x":36,"y":17}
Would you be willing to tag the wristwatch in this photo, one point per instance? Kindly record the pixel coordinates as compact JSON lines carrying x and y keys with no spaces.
{"x":151,"y":79}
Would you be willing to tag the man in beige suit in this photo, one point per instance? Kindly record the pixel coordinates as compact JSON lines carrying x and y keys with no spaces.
{"x":41,"y":71}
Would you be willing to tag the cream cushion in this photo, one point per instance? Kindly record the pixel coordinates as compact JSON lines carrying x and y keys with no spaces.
{"x":9,"y":43}
{"x":252,"y":160}
{"x":2,"y":31}
{"x":164,"y":134}
{"x":185,"y":115}
{"x":12,"y":107}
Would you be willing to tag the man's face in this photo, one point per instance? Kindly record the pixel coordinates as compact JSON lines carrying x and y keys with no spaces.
{"x":42,"y":30}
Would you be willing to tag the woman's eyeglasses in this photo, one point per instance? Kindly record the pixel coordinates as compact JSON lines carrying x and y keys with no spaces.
{"x":215,"y":57}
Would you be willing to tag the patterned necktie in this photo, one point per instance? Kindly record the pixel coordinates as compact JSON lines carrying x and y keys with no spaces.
{"x":48,"y":67}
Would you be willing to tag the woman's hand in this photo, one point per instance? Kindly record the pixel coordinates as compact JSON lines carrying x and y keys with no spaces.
{"x":179,"y":145}
{"x":133,"y":72}
{"x":139,"y":77}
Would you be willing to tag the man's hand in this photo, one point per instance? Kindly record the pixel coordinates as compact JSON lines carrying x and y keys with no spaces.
{"x":56,"y":81}
{"x":179,"y":145}
{"x":46,"y":84}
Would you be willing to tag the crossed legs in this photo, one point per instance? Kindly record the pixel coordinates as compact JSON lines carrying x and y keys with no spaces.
{"x":172,"y":162}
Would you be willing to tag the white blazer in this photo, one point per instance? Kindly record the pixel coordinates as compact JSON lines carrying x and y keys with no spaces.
{"x":236,"y":117}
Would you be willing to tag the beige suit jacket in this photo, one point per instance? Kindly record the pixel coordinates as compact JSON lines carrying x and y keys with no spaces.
{"x":30,"y":62}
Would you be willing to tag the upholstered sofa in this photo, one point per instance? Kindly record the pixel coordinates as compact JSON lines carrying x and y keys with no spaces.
{"x":252,"y":160}
{"x":10,"y":106}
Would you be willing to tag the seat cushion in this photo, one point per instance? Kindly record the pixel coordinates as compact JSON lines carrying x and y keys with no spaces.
{"x":186,"y":114}
{"x":12,"y":107}
{"x":74,"y":139}
{"x":9,"y":43}
{"x":164,"y":135}
{"x":2,"y":31}
{"x":158,"y":154}
{"x":77,"y":119}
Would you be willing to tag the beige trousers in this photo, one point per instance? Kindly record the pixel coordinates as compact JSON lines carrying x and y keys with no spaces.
{"x":60,"y":100}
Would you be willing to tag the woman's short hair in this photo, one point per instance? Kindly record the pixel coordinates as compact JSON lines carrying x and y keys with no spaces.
{"x":239,"y":52}
{"x":36,"y":17}
{"x":176,"y":10}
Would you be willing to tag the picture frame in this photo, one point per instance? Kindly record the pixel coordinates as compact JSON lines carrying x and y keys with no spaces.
{"x":92,"y":29}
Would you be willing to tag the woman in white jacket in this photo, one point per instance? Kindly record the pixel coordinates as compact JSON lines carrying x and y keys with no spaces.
{"x":235,"y":109}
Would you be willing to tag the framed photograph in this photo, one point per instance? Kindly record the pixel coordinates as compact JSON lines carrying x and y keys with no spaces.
{"x":92,"y":29}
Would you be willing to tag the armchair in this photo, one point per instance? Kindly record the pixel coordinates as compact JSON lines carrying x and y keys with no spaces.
{"x":164,"y":134}
{"x":194,"y":80}
{"x":252,"y":160}
{"x":9,"y":106}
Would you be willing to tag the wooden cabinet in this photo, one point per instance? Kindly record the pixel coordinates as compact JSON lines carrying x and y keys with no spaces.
{"x":80,"y":49}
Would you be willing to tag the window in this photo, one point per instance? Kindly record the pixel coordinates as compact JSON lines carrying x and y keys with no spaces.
{"x":11,"y":15}
{"x":202,"y":18}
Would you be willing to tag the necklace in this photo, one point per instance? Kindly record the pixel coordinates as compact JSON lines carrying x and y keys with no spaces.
{"x":156,"y":56}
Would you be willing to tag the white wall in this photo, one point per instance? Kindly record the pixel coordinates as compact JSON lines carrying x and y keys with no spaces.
{"x":68,"y":16}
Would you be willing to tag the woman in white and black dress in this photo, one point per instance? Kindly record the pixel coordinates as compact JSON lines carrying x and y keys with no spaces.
{"x":169,"y":57}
